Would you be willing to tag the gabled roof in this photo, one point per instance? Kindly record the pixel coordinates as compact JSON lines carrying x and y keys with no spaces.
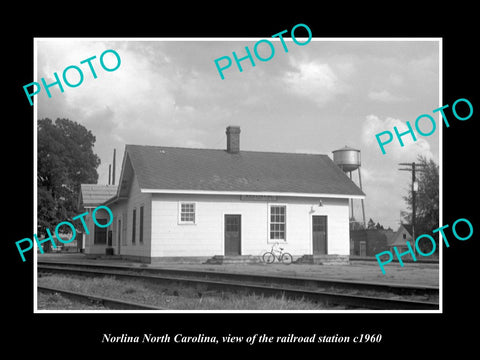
{"x":174,"y":169}
{"x":407,"y":227}
{"x":93,"y":195}
{"x":397,"y":239}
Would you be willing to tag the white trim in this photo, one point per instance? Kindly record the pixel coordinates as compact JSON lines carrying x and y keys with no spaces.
{"x":288,"y":39}
{"x":239,"y":193}
{"x":273,"y":241}
{"x":179,"y":213}
{"x":440,"y":171}
{"x":124,"y":215}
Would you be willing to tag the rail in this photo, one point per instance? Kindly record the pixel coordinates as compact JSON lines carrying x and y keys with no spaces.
{"x":330,"y":291}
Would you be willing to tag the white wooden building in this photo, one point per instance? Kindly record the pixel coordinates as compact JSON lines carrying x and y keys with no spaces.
{"x":92,"y":196}
{"x":180,"y":203}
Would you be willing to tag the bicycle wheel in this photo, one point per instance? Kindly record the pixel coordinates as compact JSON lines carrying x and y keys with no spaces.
{"x":286,"y":258}
{"x":268,"y":257}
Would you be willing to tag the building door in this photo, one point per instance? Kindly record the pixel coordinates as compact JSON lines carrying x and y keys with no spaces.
{"x":233,"y":234}
{"x":363,"y":248}
{"x":319,"y":234}
{"x":109,"y":237}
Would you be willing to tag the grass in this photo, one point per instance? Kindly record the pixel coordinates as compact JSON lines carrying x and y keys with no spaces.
{"x":169,"y":297}
{"x":58,"y":302}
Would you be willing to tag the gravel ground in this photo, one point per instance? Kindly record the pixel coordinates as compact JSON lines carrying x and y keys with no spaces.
{"x":410,"y":273}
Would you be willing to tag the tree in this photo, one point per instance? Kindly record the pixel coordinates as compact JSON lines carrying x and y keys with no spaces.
{"x":356,"y":225}
{"x":426,"y":202}
{"x":371,"y":224}
{"x":65,"y":160}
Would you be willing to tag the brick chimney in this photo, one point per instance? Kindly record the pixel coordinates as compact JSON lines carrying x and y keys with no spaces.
{"x":233,"y":139}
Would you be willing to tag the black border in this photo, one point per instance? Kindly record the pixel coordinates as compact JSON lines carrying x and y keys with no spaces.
{"x":406,"y":333}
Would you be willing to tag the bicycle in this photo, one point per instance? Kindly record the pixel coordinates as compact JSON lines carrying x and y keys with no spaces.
{"x":270,"y":256}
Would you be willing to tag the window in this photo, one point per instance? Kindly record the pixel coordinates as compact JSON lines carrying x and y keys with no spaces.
{"x":404,"y":236}
{"x":100,"y":236}
{"x":141,"y":226}
{"x":278,"y":222}
{"x":134,"y":221}
{"x":187,"y":213}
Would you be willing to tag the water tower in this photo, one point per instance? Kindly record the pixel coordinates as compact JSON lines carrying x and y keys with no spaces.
{"x":348,"y":159}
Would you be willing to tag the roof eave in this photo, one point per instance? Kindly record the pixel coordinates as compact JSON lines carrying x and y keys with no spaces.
{"x":264,"y":193}
{"x":113,"y":200}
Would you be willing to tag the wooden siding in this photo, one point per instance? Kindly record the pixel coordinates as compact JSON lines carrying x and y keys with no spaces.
{"x":206,"y":236}
{"x":164,"y":236}
{"x":123,"y":210}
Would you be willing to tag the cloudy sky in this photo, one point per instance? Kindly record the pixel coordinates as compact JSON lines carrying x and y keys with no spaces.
{"x":312,"y":99}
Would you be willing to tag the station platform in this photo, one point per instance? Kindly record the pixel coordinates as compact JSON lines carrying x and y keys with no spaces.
{"x":365,"y":271}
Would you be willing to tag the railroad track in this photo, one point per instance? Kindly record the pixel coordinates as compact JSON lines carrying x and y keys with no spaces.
{"x":91,"y":299}
{"x":346,"y":293}
{"x":356,"y":258}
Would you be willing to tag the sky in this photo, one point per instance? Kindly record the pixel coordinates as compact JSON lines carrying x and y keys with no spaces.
{"x":315,"y":98}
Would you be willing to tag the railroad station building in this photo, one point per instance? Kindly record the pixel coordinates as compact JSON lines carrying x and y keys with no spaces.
{"x":184,"y":204}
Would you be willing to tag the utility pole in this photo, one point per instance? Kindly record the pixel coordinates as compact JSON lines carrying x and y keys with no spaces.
{"x":113,"y":171}
{"x":413,"y":168}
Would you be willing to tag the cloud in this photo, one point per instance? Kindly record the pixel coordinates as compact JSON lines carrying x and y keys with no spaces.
{"x":314,"y":80}
{"x":396,"y":79}
{"x":308,"y":151}
{"x":383,"y":183}
{"x":385,"y":96}
{"x":132,"y":83}
{"x":133,"y":104}
{"x":373,"y":125}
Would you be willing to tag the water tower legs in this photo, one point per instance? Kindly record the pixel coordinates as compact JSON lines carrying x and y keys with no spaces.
{"x":363,"y":203}
{"x":351,"y":201}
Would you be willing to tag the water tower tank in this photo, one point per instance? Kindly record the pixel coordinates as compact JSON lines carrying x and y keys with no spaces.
{"x":347,"y":158}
